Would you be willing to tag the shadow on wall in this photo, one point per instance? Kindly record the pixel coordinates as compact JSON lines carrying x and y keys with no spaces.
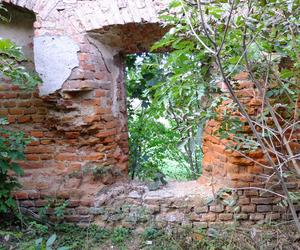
{"x":19,"y":29}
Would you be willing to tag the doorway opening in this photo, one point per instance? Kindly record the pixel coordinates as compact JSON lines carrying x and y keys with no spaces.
{"x":165,"y":132}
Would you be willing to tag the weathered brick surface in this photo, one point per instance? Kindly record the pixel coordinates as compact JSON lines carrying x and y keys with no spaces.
{"x":81,"y":135}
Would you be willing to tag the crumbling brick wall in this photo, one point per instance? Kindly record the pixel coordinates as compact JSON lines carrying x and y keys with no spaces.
{"x":78,"y":115}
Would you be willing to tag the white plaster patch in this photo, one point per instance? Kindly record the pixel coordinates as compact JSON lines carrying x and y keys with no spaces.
{"x":55,"y":57}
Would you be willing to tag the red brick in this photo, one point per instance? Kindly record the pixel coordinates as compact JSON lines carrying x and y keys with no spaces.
{"x":251,"y":192}
{"x":27,"y":203}
{"x":66,"y":157}
{"x":24,"y":119}
{"x":37,"y":134}
{"x":41,"y":203}
{"x":208,"y":217}
{"x":256,"y":217}
{"x":262,"y":200}
{"x":3,"y":112}
{"x":87,"y":202}
{"x":225,"y":217}
{"x":255,"y":169}
{"x":5,"y":87}
{"x":264,"y":208}
{"x":42,"y":111}
{"x":9,"y":95}
{"x":46,"y":142}
{"x":106,"y":133}
{"x":30,"y":111}
{"x":73,"y":203}
{"x":242,"y":216}
{"x":25,"y":104}
{"x":34,"y":143}
{"x":38,"y":118}
{"x":41,"y":149}
{"x":100,"y":111}
{"x":9,"y":104}
{"x":32,"y":157}
{"x":31,"y":164}
{"x":101,"y":93}
{"x":46,"y":157}
{"x":16,"y":111}
{"x":33,"y":195}
{"x":25,"y":95}
{"x":248,"y":208}
{"x":20,"y":195}
{"x":243,"y":201}
{"x":93,"y":157}
{"x":91,"y":118}
{"x":216,"y":208}
{"x":72,"y":135}
{"x":272,"y":216}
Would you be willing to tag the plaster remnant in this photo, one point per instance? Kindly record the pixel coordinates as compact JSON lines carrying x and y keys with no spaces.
{"x":107,"y":55}
{"x":55,"y":58}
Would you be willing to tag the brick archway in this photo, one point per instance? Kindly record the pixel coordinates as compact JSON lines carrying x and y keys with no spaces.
{"x":79,"y":116}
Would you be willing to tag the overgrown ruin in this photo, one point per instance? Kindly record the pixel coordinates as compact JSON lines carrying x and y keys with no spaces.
{"x":78,"y":116}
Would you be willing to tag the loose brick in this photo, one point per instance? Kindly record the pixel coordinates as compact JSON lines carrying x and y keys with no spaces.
{"x":262,"y":200}
{"x":225,"y":217}
{"x":275,"y":216}
{"x":256,"y":217}
{"x":241,"y":216}
{"x":243,"y":201}
{"x":217,"y":208}
{"x":248,"y":208}
{"x":264,"y":208}
{"x":208,"y":217}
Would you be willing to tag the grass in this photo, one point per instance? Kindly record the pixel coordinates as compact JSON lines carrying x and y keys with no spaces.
{"x":17,"y":236}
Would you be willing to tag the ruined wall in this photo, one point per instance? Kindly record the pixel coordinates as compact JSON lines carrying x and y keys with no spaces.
{"x":78,"y":117}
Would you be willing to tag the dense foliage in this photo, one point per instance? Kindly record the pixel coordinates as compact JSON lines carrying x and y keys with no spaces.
{"x":153,"y":137}
{"x":168,"y":104}
{"x":12,"y":143}
{"x":262,"y":39}
{"x":210,"y":43}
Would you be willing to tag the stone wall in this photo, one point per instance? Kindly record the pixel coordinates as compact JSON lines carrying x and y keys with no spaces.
{"x":78,"y":117}
{"x":132,"y":205}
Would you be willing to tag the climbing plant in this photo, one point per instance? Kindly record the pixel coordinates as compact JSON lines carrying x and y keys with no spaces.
{"x":12,"y":143}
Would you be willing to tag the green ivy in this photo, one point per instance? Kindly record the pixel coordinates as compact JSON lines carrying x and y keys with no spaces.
{"x":12,"y":143}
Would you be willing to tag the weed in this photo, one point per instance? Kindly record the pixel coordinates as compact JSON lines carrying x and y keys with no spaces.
{"x":119,"y":235}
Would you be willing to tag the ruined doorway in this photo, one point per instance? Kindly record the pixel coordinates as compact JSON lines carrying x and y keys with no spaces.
{"x":158,"y":141}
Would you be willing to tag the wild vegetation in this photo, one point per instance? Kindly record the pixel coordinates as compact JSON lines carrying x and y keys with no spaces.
{"x":12,"y":143}
{"x":32,"y":235}
{"x":212,"y":42}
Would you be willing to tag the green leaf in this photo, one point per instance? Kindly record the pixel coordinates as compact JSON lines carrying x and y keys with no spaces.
{"x":51,"y":240}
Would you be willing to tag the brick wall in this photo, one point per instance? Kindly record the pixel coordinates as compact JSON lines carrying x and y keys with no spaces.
{"x":81,"y":144}
{"x":238,"y":168}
